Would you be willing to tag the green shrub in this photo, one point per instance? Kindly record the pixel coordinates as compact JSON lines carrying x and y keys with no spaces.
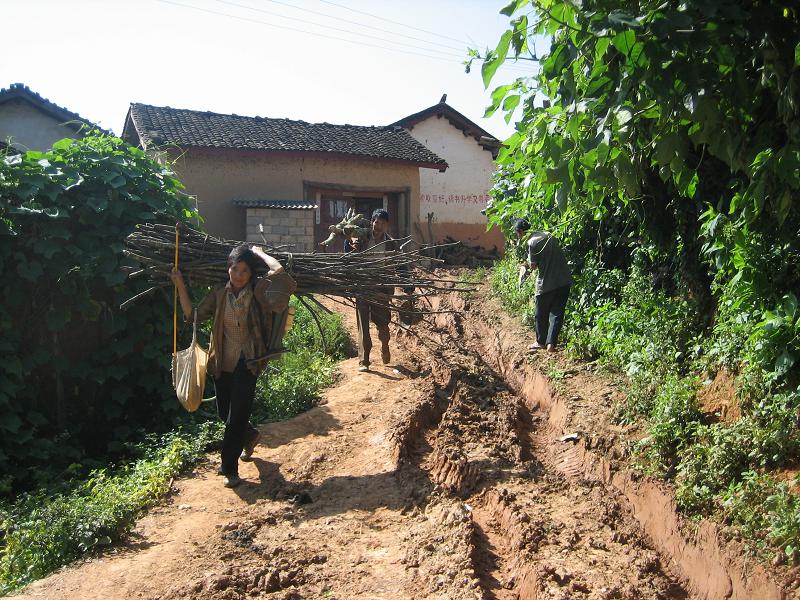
{"x":766,"y":512}
{"x":722,"y":453}
{"x":293,"y":383}
{"x":79,"y":376}
{"x":43,"y":532}
{"x":673,"y":423}
{"x":514,"y":297}
{"x":646,"y":165}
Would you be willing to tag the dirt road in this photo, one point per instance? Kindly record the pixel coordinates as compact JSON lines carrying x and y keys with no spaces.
{"x":427,"y":478}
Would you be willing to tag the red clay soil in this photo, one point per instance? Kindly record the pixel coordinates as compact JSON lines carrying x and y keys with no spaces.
{"x":718,"y":400}
{"x":442,"y":475}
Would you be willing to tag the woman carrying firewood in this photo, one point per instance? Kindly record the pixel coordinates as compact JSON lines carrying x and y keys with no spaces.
{"x":242,"y":310}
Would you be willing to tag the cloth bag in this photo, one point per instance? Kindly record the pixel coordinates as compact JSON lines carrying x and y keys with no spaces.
{"x":189,"y":372}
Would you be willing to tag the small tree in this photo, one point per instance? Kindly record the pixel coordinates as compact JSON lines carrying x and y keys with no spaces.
{"x":77,"y":374}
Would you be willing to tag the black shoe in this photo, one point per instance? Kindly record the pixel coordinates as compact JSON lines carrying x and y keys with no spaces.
{"x":247,"y":451}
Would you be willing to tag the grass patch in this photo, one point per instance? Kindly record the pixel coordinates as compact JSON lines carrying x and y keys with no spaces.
{"x":42,"y":532}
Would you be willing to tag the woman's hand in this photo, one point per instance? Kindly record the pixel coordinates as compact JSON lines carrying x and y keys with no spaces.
{"x":177,"y":277}
{"x":272,"y":263}
{"x":183,"y":293}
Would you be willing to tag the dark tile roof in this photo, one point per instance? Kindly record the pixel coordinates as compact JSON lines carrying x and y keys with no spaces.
{"x":162,"y":126}
{"x":286,"y":204}
{"x":485,"y":139}
{"x":61,"y":114}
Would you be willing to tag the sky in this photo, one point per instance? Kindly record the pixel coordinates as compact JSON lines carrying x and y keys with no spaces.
{"x":361,"y":62}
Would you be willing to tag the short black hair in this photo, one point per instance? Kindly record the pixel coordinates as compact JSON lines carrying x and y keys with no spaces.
{"x":243,"y":253}
{"x":521,"y":225}
{"x":380,"y":213}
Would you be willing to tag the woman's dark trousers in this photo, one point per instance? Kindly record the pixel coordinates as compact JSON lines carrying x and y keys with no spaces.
{"x":550,"y":315}
{"x":235,"y":392}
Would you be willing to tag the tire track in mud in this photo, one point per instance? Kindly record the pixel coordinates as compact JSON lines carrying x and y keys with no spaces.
{"x":535,"y":532}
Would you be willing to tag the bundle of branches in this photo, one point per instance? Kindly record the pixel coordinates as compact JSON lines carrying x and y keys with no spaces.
{"x":356,"y":275}
{"x":455,"y":253}
{"x":352,"y":225}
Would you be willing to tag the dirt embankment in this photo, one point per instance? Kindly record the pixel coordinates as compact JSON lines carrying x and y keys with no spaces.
{"x":442,"y":475}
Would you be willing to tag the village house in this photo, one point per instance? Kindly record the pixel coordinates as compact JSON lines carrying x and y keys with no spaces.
{"x":30,"y":122}
{"x":454,"y":199}
{"x":293,"y":178}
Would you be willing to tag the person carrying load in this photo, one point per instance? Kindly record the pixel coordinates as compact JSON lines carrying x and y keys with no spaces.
{"x":244,"y":311}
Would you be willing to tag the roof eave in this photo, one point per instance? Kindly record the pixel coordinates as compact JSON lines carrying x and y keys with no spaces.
{"x":64,"y":116}
{"x":458,"y":120}
{"x":442,"y":166}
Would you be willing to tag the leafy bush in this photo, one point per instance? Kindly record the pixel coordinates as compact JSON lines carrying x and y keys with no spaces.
{"x":674,"y":423}
{"x":767,"y":513}
{"x":668,"y":165}
{"x":505,"y":277}
{"x":294,"y":386}
{"x":43,"y":532}
{"x":78,"y":376}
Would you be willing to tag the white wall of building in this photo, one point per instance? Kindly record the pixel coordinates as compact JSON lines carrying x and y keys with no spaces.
{"x":458,"y":194}
{"x":28,"y":128}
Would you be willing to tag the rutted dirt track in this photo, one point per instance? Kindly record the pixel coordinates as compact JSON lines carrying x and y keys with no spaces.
{"x":428,"y":478}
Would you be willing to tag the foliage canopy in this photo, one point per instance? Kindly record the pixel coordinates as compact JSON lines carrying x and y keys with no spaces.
{"x":75,"y":371}
{"x":661,"y":142}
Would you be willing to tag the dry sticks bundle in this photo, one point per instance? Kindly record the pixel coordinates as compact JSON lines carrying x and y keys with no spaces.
{"x":203,"y":261}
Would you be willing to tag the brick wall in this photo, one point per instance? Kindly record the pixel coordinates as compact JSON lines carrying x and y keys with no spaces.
{"x":282,"y":226}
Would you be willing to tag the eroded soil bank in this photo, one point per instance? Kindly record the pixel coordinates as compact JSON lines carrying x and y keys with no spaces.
{"x":441,"y":475}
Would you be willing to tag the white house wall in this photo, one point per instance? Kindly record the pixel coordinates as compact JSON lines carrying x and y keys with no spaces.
{"x":28,"y":128}
{"x":456,"y":196}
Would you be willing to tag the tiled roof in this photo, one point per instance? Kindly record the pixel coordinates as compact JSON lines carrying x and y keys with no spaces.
{"x":186,"y":128}
{"x":485,"y":139}
{"x":21,"y":91}
{"x":287,"y":204}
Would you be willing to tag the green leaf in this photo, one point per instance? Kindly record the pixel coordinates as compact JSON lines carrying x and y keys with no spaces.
{"x":619,"y":20}
{"x":498,"y":95}
{"x":624,"y":41}
{"x":797,"y":54}
{"x":510,"y":103}
{"x":790,"y":305}
{"x":784,"y":362}
{"x":784,"y":206}
{"x":513,"y":7}
{"x":98,"y":202}
{"x":489,"y":67}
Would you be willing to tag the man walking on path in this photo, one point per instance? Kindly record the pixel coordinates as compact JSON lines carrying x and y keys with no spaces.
{"x":377,"y":242}
{"x":552,"y":284}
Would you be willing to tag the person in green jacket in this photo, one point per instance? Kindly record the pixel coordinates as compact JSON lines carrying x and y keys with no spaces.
{"x":552,"y":284}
